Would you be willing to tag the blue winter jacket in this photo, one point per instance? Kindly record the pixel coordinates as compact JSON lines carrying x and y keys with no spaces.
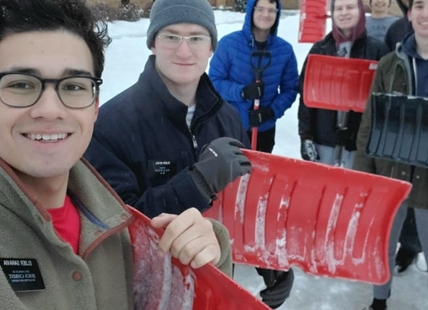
{"x":231,"y":70}
{"x":143,"y":148}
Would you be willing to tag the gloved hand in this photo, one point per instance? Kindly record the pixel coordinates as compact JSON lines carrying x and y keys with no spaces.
{"x":258,"y":117}
{"x":220,"y":162}
{"x":253,"y":91}
{"x":278,"y":286}
{"x":347,"y":139}
{"x":308,"y":150}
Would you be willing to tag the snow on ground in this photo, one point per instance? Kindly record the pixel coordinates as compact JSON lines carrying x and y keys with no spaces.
{"x":125,"y":60}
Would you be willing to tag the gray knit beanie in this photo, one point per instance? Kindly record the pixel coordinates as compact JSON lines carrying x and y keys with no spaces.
{"x":170,"y":12}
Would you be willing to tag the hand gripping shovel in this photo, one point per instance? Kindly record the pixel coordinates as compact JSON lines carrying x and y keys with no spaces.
{"x":399,"y":129}
{"x":328,"y":221}
{"x":337,"y":83}
{"x":260,"y":61}
{"x":162,"y":283}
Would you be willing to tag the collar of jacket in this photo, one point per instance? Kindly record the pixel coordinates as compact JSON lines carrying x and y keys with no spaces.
{"x":330,"y":47}
{"x":102,"y":213}
{"x":207,"y":98}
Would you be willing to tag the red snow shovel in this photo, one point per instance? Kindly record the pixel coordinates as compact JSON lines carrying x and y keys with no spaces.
{"x":165,"y":284}
{"x":260,"y":61}
{"x":337,"y":83}
{"x":312,"y":25}
{"x":328,"y":221}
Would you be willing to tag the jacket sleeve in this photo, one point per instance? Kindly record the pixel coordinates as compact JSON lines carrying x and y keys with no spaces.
{"x":219,"y":73}
{"x":362,"y":162}
{"x":288,"y":87}
{"x":177,"y":195}
{"x":305,"y":114}
{"x":225,"y":262}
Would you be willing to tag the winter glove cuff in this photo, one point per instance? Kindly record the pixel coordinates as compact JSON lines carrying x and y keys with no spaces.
{"x":202,"y":185}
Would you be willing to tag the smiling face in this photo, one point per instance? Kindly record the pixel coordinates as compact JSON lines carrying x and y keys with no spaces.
{"x":418,"y":15}
{"x":264,"y":15}
{"x":44,"y":141}
{"x":182,"y":66}
{"x":346,"y":15}
{"x":380,"y":6}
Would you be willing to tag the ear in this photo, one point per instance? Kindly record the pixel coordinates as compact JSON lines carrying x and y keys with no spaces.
{"x":408,"y":15}
{"x":153,"y":48}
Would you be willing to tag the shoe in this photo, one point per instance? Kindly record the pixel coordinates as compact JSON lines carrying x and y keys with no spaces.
{"x":403,"y":260}
{"x":378,"y":304}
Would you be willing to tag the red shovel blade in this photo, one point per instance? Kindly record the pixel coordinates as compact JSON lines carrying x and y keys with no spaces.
{"x":337,"y":83}
{"x":329,"y":221}
{"x":312,"y":24}
{"x":162,"y":282}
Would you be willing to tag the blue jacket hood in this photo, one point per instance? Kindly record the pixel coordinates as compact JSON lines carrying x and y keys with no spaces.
{"x":248,"y":23}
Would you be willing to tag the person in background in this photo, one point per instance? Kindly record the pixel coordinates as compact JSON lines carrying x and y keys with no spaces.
{"x":65,"y":235}
{"x":379,"y":20}
{"x":410,"y":245}
{"x":401,"y":71}
{"x":232,"y":71}
{"x":400,"y":28}
{"x":321,"y":130}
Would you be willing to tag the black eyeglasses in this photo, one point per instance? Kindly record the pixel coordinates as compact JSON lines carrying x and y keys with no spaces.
{"x":20,"y":90}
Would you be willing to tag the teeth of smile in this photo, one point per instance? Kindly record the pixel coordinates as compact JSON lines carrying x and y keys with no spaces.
{"x":45,"y":137}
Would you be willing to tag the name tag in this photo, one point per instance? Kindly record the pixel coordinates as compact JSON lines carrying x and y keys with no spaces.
{"x":160,"y":171}
{"x":23,"y":274}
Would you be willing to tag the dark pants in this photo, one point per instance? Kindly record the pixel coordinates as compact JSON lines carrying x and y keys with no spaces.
{"x":409,"y":235}
{"x":265,"y":140}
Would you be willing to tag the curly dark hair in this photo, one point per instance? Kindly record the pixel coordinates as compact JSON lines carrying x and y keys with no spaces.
{"x":18,"y":16}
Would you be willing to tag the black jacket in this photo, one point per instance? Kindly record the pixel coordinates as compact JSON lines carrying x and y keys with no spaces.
{"x":144,"y":149}
{"x":320,"y":124}
{"x":399,"y":29}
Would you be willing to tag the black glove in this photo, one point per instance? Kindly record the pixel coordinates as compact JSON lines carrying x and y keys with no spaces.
{"x":347,"y":139}
{"x":258,"y":117}
{"x":308,"y":150}
{"x":278,"y":286}
{"x":253,"y":91}
{"x":220,"y":163}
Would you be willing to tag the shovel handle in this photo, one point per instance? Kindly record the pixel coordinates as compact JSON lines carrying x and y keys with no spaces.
{"x":255,"y":129}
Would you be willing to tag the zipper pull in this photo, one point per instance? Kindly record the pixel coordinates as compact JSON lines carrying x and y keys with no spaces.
{"x":195,"y":144}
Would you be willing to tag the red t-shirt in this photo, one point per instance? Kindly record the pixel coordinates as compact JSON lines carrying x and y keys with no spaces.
{"x":66,"y":222}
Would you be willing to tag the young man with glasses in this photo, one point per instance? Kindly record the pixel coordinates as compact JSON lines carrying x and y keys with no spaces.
{"x":65,"y":239}
{"x":233,"y":73}
{"x":170,"y":142}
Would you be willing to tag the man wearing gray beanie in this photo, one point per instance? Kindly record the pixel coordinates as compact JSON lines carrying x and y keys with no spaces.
{"x":166,"y":12}
{"x":170,"y":142}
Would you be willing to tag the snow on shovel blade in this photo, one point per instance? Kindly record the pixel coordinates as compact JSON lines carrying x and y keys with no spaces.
{"x":329,"y":221}
{"x":312,"y":24}
{"x":337,"y":83}
{"x":163,"y":283}
{"x":399,"y":129}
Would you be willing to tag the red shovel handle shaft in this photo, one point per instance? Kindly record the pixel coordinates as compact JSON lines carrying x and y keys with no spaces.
{"x":255,"y":129}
